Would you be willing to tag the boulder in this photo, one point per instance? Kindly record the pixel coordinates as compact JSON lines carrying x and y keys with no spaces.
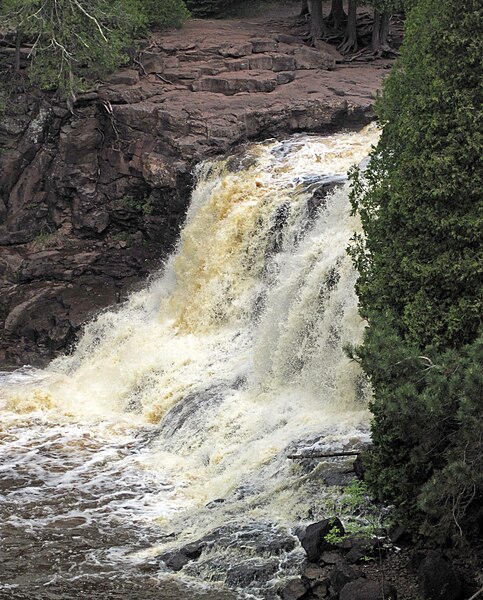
{"x":328,"y":49}
{"x":285,"y":77}
{"x":124,"y":77}
{"x":437,"y":579}
{"x":177,"y":559}
{"x":236,"y":51}
{"x":239,"y":64}
{"x":362,"y":589}
{"x":249,"y":571}
{"x":260,"y":62}
{"x":295,"y":589}
{"x":358,"y":547}
{"x":342,"y":574}
{"x":153,"y":63}
{"x":313,"y":539}
{"x":285,"y":38}
{"x":283,"y":62}
{"x":263,"y":45}
{"x":229,"y":85}
{"x":308,"y":58}
{"x":320,"y":589}
{"x":313,"y":573}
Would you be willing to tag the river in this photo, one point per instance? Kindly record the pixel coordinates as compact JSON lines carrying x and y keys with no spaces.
{"x":171,"y":422}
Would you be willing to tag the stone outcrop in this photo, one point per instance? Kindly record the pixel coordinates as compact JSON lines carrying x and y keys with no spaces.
{"x":92,"y":199}
{"x":437,"y":579}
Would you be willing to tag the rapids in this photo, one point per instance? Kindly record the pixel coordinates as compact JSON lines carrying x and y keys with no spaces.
{"x":172,"y":420}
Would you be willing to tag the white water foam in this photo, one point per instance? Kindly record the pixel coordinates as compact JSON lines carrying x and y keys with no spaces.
{"x":193,"y":393}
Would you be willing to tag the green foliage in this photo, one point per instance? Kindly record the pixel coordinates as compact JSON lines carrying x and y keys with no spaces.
{"x":75,"y":41}
{"x":420,"y":264}
{"x":419,"y":202}
{"x":208,"y":8}
{"x":165,"y":13}
{"x":226,"y":8}
{"x":362,"y":518}
{"x":427,"y":457}
{"x":144,"y":204}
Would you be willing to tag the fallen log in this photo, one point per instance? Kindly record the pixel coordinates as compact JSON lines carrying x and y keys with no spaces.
{"x":320,"y":455}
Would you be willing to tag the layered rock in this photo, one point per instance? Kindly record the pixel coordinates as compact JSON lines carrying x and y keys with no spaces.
{"x":92,"y":199}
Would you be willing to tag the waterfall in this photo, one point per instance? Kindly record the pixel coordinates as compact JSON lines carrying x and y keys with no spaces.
{"x":177,"y":411}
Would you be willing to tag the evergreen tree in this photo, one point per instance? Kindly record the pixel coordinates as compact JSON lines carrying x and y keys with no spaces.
{"x":420,"y":267}
{"x":165,"y":13}
{"x":79,"y":41}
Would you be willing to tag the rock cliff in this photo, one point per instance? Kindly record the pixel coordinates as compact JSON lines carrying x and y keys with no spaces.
{"x":91,"y":199}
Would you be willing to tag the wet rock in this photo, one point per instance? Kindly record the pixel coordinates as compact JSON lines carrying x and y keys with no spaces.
{"x":358,"y":548}
{"x":295,"y":589}
{"x":437,"y":579}
{"x":359,"y":468}
{"x":313,"y":539}
{"x":362,"y":589}
{"x":314,"y":572}
{"x":330,"y":558}
{"x":251,"y":571}
{"x":260,"y":539}
{"x":342,"y":574}
{"x":177,"y":559}
{"x":216,"y":502}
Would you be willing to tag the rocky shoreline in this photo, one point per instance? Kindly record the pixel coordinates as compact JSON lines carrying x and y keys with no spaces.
{"x":92,"y":199}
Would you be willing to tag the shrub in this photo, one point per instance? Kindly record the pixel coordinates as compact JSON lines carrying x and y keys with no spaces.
{"x":165,"y":13}
{"x":420,"y":266}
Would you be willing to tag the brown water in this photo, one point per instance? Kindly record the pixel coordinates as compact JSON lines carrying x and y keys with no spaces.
{"x":173,"y":420}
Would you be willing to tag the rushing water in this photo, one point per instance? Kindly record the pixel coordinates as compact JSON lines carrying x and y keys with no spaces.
{"x":172,"y":421}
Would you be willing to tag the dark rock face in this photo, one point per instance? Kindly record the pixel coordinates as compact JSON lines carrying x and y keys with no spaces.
{"x":362,"y":589}
{"x":343,"y":574}
{"x":294,"y":590}
{"x":313,"y":540}
{"x":259,"y":539}
{"x":177,"y":559}
{"x":92,"y":200}
{"x":437,"y":579}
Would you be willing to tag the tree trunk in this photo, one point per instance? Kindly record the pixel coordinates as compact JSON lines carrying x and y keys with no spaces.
{"x":337,"y":15}
{"x":304,"y":9}
{"x":349,"y":43}
{"x":376,"y":32}
{"x":317,"y":27}
{"x":386,"y":17}
{"x":380,"y":32}
{"x":18,"y":43}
